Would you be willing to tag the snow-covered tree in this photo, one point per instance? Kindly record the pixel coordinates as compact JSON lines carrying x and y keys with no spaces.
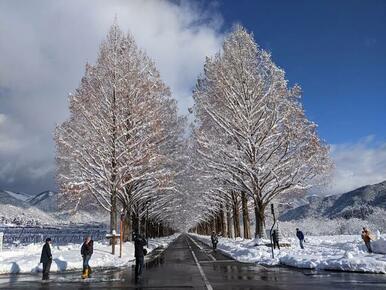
{"x":115,"y":145}
{"x":251,"y":128}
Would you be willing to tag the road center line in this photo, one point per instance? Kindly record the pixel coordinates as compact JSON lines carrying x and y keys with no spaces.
{"x":201,"y":248}
{"x":206,"y":281}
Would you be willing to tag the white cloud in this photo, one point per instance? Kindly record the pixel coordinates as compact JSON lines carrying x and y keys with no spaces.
{"x":44,"y":46}
{"x":358,"y":164}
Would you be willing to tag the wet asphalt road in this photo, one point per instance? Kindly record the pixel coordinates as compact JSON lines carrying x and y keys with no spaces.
{"x":189,"y":264}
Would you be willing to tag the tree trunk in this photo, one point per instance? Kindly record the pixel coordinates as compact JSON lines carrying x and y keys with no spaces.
{"x":142,"y":223}
{"x":229,"y":223}
{"x":236,"y":220}
{"x":113,"y":212}
{"x":161,"y":230}
{"x":127,"y":227}
{"x":246,"y":222}
{"x":259,"y":220}
{"x":113,"y":219}
{"x":219,"y":220}
{"x":135,"y":220}
{"x":223,"y":222}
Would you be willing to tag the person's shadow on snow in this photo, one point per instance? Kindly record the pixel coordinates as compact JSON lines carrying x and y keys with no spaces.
{"x":62,"y":265}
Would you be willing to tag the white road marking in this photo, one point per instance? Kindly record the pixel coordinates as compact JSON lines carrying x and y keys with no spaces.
{"x":206,"y":281}
{"x":213,"y":258}
{"x":201,"y":248}
{"x":218,"y":261}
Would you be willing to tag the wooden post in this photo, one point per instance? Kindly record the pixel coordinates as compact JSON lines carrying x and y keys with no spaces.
{"x":113,"y":236}
{"x":113,"y":242}
{"x":121,"y":234}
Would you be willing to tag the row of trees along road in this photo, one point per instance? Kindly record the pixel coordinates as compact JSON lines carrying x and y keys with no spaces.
{"x":125,"y":147}
{"x":252,"y":135}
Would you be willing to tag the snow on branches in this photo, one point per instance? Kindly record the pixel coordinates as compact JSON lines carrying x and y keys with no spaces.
{"x":251,"y":129}
{"x":118,"y":143}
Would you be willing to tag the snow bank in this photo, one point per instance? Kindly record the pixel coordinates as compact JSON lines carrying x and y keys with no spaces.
{"x":343,"y":253}
{"x":379,"y":246}
{"x":25,"y":259}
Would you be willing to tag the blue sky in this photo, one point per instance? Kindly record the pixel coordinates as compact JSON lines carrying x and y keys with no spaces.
{"x":336,"y":50}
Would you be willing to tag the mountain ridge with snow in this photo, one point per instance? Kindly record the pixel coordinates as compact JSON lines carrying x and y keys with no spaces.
{"x":357,"y":203}
{"x":41,"y":209}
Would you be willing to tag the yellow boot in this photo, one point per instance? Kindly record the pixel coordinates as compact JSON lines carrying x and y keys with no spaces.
{"x":85,"y":274}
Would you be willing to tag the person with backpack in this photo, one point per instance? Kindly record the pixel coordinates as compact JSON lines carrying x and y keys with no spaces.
{"x":300,"y":236}
{"x":86,"y":251}
{"x":139,"y":253}
{"x":214,"y":240}
{"x":46,"y":259}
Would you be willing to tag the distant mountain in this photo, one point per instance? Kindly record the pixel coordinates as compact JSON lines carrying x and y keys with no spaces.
{"x":42,"y":209}
{"x":46,"y":200}
{"x":358,"y":203}
{"x":14,"y":198}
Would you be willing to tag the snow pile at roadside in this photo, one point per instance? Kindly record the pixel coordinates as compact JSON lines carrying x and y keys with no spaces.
{"x":25,"y":259}
{"x":343,"y":253}
{"x":379,"y":246}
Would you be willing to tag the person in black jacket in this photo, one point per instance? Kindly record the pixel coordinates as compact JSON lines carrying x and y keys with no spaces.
{"x":86,"y":252}
{"x":139,"y":253}
{"x":46,"y":259}
{"x":300,"y":236}
{"x":214,"y":240}
{"x":275,"y":239}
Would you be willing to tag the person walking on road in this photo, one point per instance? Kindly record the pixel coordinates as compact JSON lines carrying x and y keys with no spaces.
{"x":214,"y":240}
{"x":46,"y":259}
{"x":86,"y":251}
{"x":300,"y":236}
{"x":367,"y":239}
{"x":275,"y":239}
{"x":139,"y":253}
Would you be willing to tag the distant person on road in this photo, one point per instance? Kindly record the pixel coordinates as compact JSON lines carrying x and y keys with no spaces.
{"x":275,"y":239}
{"x":139,"y":253}
{"x":86,"y":251}
{"x":214,"y":240}
{"x":367,"y":239}
{"x":46,"y":259}
{"x":300,"y":236}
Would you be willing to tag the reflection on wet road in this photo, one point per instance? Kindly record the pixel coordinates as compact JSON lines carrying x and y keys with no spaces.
{"x":189,"y":264}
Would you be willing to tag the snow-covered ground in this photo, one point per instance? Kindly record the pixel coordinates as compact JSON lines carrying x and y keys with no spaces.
{"x":25,"y":259}
{"x":343,"y":253}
